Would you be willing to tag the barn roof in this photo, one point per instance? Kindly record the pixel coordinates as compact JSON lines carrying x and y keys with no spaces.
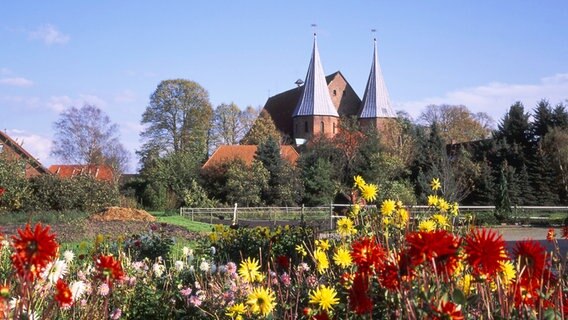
{"x":99,"y":172}
{"x":246,"y":153}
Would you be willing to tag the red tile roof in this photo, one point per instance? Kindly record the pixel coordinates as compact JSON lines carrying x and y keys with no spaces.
{"x":99,"y":172}
{"x":246,"y":153}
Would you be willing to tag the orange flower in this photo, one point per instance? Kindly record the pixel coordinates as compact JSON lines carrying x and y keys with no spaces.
{"x":108,"y":269}
{"x":64,"y":297}
{"x":485,"y":250}
{"x":33,"y":250}
{"x":366,"y":253}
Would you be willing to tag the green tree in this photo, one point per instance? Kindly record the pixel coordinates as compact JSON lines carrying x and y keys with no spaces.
{"x":15,"y":187}
{"x":555,"y":144}
{"x":177,"y":119}
{"x":502,"y":201}
{"x":261,"y":130}
{"x":319,"y":186}
{"x":456,"y":123}
{"x":244,"y":184}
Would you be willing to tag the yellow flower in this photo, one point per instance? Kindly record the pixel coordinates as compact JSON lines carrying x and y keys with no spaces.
{"x":301,"y":250}
{"x":322,"y":263}
{"x":261,"y":301}
{"x":403,"y":217}
{"x":369,"y":192}
{"x":465,"y":283}
{"x":324,"y":297}
{"x":443,"y":205}
{"x":249,"y":270}
{"x":432,"y":200}
{"x":359,"y":182}
{"x":355,"y":210}
{"x":435,"y":184}
{"x":342,"y":257}
{"x":387,"y":221}
{"x":388,"y":207}
{"x":427,"y":225}
{"x":441,"y":220}
{"x":508,"y":272}
{"x":213,"y":236}
{"x":345,"y":227}
{"x":454,"y":208}
{"x":237,"y":310}
{"x":322,"y":244}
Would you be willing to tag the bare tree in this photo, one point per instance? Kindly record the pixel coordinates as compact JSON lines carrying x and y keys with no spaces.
{"x":86,"y":135}
{"x":457,"y":123}
{"x":230,"y":124}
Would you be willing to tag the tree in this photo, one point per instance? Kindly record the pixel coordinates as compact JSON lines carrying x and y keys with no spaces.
{"x":261,"y":130}
{"x":178,"y":119}
{"x":456,"y":123}
{"x":86,"y":135}
{"x":230,"y":124}
{"x":556,"y":145}
{"x":320,"y":188}
{"x":515,"y":127}
{"x":245,"y":184}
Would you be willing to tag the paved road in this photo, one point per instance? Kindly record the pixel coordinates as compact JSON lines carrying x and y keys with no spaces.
{"x":513,"y":234}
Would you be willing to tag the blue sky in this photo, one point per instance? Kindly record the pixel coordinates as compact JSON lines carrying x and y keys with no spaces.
{"x":483,"y":54}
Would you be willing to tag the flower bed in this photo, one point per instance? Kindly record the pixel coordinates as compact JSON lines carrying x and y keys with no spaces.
{"x":378,"y":264}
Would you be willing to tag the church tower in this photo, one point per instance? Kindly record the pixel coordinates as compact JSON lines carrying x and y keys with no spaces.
{"x":376,"y":110}
{"x":315,"y":113}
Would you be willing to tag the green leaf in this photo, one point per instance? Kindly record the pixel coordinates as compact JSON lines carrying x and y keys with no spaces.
{"x":459,"y":297}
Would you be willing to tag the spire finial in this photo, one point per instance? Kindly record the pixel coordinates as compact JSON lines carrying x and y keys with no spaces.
{"x":314,"y":28}
{"x":374,"y":31}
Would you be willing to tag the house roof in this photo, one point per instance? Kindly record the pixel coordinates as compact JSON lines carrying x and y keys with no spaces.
{"x":281,"y":106}
{"x":315,"y":98}
{"x":246,"y":153}
{"x":6,"y":140}
{"x":99,"y":172}
{"x":376,"y":102}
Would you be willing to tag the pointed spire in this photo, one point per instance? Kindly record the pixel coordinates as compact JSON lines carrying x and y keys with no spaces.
{"x":376,"y":102}
{"x":315,"y":99}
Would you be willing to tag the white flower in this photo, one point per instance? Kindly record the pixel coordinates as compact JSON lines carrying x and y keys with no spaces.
{"x":158,"y":269}
{"x":78,"y":288}
{"x":178,"y":265}
{"x":303,"y":267}
{"x":4,"y":244}
{"x":104,"y":289}
{"x":213,"y":268}
{"x":204,"y":266}
{"x":68,"y":256}
{"x":187,"y":251}
{"x":55,"y":271}
{"x":191,"y":269}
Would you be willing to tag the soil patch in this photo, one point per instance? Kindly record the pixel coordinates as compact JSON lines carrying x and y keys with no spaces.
{"x":122,"y":214}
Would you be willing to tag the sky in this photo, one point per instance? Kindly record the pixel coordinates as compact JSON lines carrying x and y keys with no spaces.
{"x":482,"y":54}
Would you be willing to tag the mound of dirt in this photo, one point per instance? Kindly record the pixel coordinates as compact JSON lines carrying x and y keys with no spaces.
{"x":122,"y":214}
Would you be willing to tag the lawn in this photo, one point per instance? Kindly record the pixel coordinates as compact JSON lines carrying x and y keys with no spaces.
{"x":181,"y":221}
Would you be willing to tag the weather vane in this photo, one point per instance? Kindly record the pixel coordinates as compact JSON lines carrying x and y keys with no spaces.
{"x":374,"y":31}
{"x":314,"y":27}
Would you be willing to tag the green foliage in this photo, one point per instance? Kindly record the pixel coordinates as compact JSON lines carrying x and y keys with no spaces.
{"x":258,"y":242}
{"x":14,"y":183}
{"x":195,"y":197}
{"x":245,"y":184}
{"x":151,"y":245}
{"x":319,"y":186}
{"x":262,"y":129}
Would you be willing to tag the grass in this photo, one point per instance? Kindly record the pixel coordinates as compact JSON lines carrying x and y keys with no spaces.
{"x":47,"y":217}
{"x":177,"y":220}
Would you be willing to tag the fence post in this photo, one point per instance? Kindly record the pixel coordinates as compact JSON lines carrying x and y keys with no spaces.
{"x":180,"y":210}
{"x":235,"y":214}
{"x":302,"y":215}
{"x":191,"y":214}
{"x":210,"y":216}
{"x":331,"y":216}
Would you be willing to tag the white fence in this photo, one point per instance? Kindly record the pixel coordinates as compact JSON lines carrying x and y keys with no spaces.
{"x":325,"y":216}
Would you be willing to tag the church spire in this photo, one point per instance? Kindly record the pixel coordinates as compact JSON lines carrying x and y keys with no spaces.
{"x":376,"y":102}
{"x":315,"y":99}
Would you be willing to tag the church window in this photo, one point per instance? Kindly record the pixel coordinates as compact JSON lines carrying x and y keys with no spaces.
{"x":306,"y":127}
{"x":334,"y":92}
{"x":334,"y":128}
{"x":322,"y":127}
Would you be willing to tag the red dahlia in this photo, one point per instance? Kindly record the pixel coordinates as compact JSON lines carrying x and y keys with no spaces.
{"x":359,"y":301}
{"x":2,"y":190}
{"x":485,"y":250}
{"x":550,"y":235}
{"x":33,"y":250}
{"x":565,"y":232}
{"x":531,"y":256}
{"x":366,"y":252}
{"x":447,"y":311}
{"x":63,"y":295}
{"x":439,"y":247}
{"x":108,"y":269}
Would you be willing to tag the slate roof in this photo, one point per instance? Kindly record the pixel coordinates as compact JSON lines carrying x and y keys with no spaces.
{"x":376,"y":102}
{"x":246,"y":153}
{"x":315,"y":98}
{"x":99,"y":172}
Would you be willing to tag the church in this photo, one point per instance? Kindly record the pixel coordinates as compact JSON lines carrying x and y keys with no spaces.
{"x":316,"y":105}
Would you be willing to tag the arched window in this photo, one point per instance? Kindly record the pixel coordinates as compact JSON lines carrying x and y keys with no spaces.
{"x":322,"y":128}
{"x":306,"y":127}
{"x":334,"y":128}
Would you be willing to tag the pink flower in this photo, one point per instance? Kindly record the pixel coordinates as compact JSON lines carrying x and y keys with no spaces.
{"x":185,"y":292}
{"x":104,"y":289}
{"x":195,"y":300}
{"x":231,"y":268}
{"x":115,"y":315}
{"x":285,"y":278}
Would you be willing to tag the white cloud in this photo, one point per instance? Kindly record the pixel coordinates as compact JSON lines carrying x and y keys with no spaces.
{"x":496,"y":98}
{"x":38,"y":146}
{"x":49,"y":35}
{"x":17,"y":82}
{"x":60,"y":103}
{"x":125,"y":96}
{"x":30,"y":102}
